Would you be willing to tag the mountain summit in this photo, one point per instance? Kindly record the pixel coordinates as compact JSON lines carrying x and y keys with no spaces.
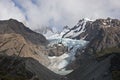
{"x":97,"y":59}
{"x":16,"y":39}
{"x":13,"y":26}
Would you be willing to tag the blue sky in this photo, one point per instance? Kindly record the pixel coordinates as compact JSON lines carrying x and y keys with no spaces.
{"x":57,"y":13}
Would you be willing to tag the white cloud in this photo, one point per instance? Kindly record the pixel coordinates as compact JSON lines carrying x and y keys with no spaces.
{"x":57,"y":13}
{"x":9,"y":10}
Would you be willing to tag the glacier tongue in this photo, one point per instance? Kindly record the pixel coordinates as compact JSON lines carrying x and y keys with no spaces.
{"x":60,"y":62}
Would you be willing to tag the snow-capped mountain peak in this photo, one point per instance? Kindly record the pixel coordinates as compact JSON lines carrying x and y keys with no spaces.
{"x":77,"y":29}
{"x":66,"y":32}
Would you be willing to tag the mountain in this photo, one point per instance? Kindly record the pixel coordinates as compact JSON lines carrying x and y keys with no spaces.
{"x":78,"y":29}
{"x":16,"y":39}
{"x":66,"y":31}
{"x":15,"y":44}
{"x":102,"y":34}
{"x":99,"y":59}
{"x":106,"y":38}
{"x":13,"y":26}
{"x":19,"y":68}
{"x":22,"y":53}
{"x":91,"y":49}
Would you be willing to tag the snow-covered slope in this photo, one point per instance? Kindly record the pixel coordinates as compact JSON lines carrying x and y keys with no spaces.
{"x":77,"y":29}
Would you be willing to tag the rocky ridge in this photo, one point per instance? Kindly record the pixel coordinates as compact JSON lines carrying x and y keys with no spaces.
{"x":98,"y":58}
{"x":13,"y":26}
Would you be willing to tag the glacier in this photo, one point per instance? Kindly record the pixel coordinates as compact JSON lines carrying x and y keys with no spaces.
{"x":67,"y":37}
{"x":58,"y":63}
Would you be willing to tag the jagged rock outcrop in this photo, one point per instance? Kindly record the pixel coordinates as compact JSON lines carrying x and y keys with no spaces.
{"x":19,"y":68}
{"x":56,"y":50}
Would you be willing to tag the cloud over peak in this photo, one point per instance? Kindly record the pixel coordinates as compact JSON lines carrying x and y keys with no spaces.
{"x":57,"y":13}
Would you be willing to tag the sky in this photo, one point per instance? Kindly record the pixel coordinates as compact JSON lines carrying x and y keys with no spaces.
{"x":57,"y":13}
